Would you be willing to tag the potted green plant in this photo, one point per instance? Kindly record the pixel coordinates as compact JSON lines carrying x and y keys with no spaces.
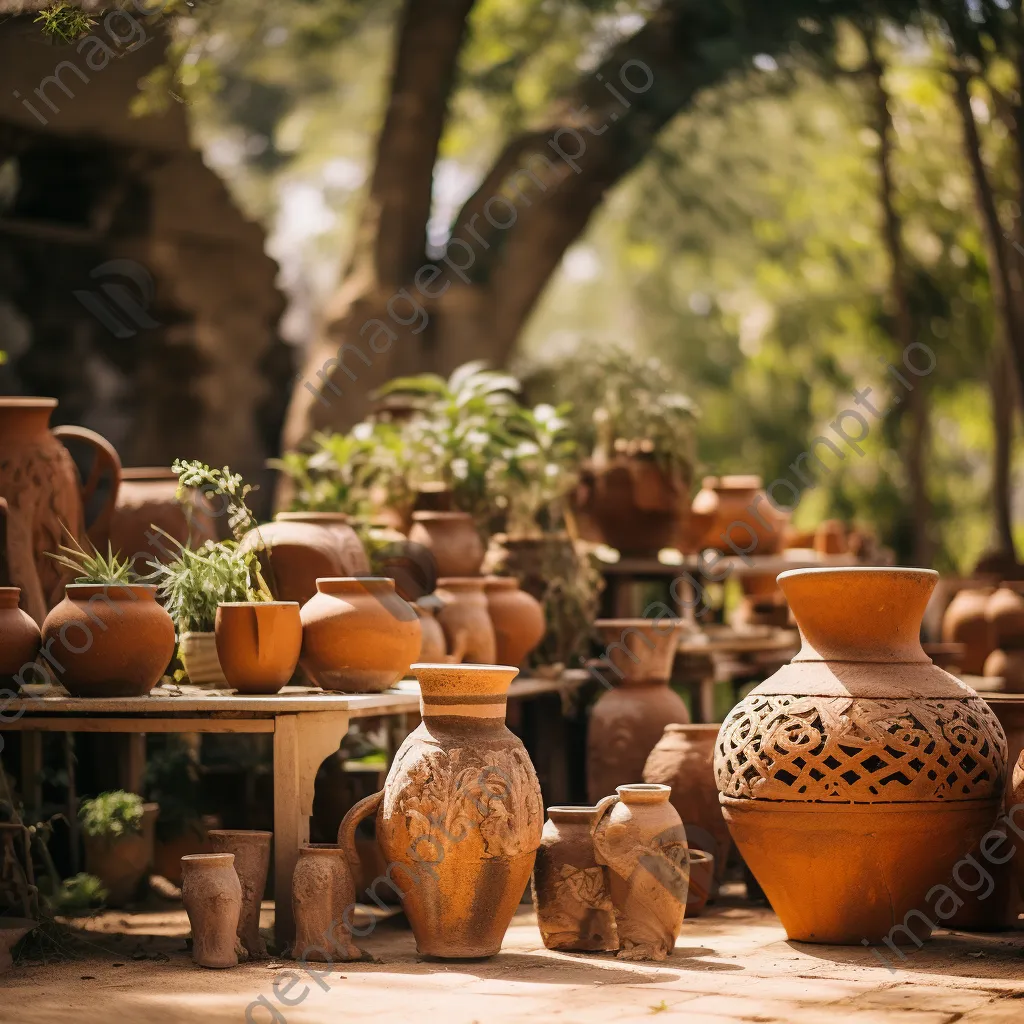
{"x":118,"y":831}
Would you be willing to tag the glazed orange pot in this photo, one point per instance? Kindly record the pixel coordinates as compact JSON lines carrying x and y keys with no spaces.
{"x":453,"y":540}
{"x":358,"y":635}
{"x":966,"y":622}
{"x":517,"y":617}
{"x":460,"y":817}
{"x":19,"y":636}
{"x":856,"y":777}
{"x":466,"y":621}
{"x":108,"y":641}
{"x":258,"y":644}
{"x":727,"y":500}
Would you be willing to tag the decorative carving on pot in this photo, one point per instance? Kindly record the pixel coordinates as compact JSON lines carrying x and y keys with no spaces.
{"x":684,"y":760}
{"x":19,"y":637}
{"x":43,"y":490}
{"x":212,"y":896}
{"x":736,"y":507}
{"x":258,"y":644}
{"x":358,"y":635}
{"x":251,"y":852}
{"x":453,"y":540}
{"x":570,"y":889}
{"x":466,"y":621}
{"x":639,"y":835}
{"x":855,"y":777}
{"x":517,"y":617}
{"x":966,"y":622}
{"x":323,"y":897}
{"x":463,"y":788}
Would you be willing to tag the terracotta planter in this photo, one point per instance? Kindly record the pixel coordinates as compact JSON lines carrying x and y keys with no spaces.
{"x":966,"y":622}
{"x":855,"y":777}
{"x":433,"y":649}
{"x":461,"y":787}
{"x":12,"y":931}
{"x":358,"y":635}
{"x":453,"y":540}
{"x":684,"y":760}
{"x":1005,"y":613}
{"x":39,"y":480}
{"x":251,"y":852}
{"x":703,"y":884}
{"x":19,"y":636}
{"x":109,"y":641}
{"x":323,"y":898}
{"x":570,"y":889}
{"x":122,"y":863}
{"x":466,"y":620}
{"x":737,"y":507}
{"x":212,"y":896}
{"x":517,"y":617}
{"x":1008,"y":666}
{"x":199,"y":658}
{"x":640,"y":837}
{"x":258,"y":644}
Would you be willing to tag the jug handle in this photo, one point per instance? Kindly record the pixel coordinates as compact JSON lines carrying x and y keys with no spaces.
{"x":347,"y":829}
{"x":603,"y":806}
{"x":105,"y":458}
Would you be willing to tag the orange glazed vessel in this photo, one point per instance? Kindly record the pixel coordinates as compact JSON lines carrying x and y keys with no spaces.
{"x":856,"y":777}
{"x":258,"y":644}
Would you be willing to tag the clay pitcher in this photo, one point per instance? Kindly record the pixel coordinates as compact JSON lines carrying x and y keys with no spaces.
{"x":517,"y":617}
{"x":460,"y":817}
{"x":41,"y":484}
{"x":251,"y":851}
{"x":468,"y":630}
{"x":639,"y":835}
{"x":323,"y":902}
{"x":212,"y":896}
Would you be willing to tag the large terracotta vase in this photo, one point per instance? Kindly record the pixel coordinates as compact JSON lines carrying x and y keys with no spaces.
{"x":258,"y":644}
{"x":251,"y":850}
{"x":44,"y":494}
{"x":684,"y":760}
{"x":212,"y":896}
{"x":453,"y":540}
{"x":966,"y":622}
{"x":629,"y":718}
{"x":517,"y":617}
{"x":855,"y":778}
{"x":466,"y":621}
{"x":736,"y":508}
{"x":358,"y":635}
{"x":323,"y":902}
{"x":122,"y":863}
{"x":460,"y":817}
{"x":19,"y":638}
{"x":639,"y":835}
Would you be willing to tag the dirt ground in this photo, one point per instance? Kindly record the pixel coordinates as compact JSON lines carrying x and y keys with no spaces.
{"x":733,"y":964}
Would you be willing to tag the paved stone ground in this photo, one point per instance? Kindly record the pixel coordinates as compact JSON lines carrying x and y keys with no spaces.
{"x":733,"y":964}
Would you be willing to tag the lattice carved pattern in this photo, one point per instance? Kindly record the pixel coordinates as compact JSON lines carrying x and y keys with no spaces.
{"x":842,"y":749}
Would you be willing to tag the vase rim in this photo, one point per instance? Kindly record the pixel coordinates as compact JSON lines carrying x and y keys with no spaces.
{"x":257,"y":604}
{"x":643,"y":793}
{"x":900,"y":571}
{"x":638,"y":623}
{"x":27,"y":402}
{"x":115,"y":591}
{"x":452,"y":689}
{"x":501,"y":582}
{"x":208,"y":858}
{"x":322,"y":848}
{"x":311,"y":517}
{"x":331,"y":584}
{"x":572,"y":812}
{"x":424,"y":515}
{"x":470,"y":582}
{"x":10,"y":594}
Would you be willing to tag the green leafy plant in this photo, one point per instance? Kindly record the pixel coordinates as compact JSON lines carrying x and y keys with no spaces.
{"x":112,"y":814}
{"x":64,"y":22}
{"x":108,"y":570}
{"x":78,"y":895}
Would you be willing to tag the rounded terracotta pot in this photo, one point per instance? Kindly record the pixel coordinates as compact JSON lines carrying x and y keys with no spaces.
{"x":122,"y":863}
{"x":19,"y":635}
{"x":684,"y":760}
{"x":358,"y":635}
{"x":966,"y":622}
{"x":1005,"y":613}
{"x":466,"y":620}
{"x":432,"y":643}
{"x":212,"y":896}
{"x":641,"y":839}
{"x":251,"y":852}
{"x":856,"y":777}
{"x":453,"y":540}
{"x":460,"y":817}
{"x":1008,"y":666}
{"x":703,"y":884}
{"x":109,"y":640}
{"x":517,"y":617}
{"x":258,"y":644}
{"x":570,"y":889}
{"x":304,"y":547}
{"x":323,"y":898}
{"x":737,"y":507}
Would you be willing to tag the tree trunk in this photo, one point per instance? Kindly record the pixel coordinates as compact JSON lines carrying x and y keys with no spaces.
{"x":1003,"y":402}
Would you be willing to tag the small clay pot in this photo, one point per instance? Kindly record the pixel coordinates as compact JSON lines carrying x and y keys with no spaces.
{"x":466,"y":621}
{"x":19,"y":635}
{"x":122,"y":863}
{"x":966,"y":622}
{"x":212,"y":896}
{"x":736,"y":507}
{"x":109,"y":640}
{"x":199,"y":658}
{"x":358,"y":635}
{"x":251,"y":851}
{"x":1005,"y":613}
{"x":1008,"y":666}
{"x":323,"y":900}
{"x":703,"y":868}
{"x":517,"y":617}
{"x":432,"y":644}
{"x":639,"y":835}
{"x":453,"y":540}
{"x":570,"y":889}
{"x":258,"y":644}
{"x":12,"y":931}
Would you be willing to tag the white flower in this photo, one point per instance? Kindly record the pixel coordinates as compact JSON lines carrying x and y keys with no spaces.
{"x":362,"y":431}
{"x":460,"y":468}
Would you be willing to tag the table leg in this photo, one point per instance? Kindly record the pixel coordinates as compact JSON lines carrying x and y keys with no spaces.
{"x":301,"y":743}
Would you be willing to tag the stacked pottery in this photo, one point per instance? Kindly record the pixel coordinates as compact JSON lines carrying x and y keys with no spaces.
{"x":966,"y":622}
{"x":629,"y":718}
{"x":323,"y":898}
{"x":1004,"y":611}
{"x":251,"y":852}
{"x":466,"y":621}
{"x":212,"y":896}
{"x":856,"y":777}
{"x":517,"y":617}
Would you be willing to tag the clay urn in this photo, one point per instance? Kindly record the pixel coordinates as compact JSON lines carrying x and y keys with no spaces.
{"x":630,"y":716}
{"x":966,"y":622}
{"x":466,"y":620}
{"x":212,"y":896}
{"x":460,"y":817}
{"x":432,"y":643}
{"x":323,"y":904}
{"x":570,"y":889}
{"x":684,"y":760}
{"x":251,"y":851}
{"x":517,"y":617}
{"x":1016,"y":808}
{"x":45,"y":495}
{"x":641,"y":839}
{"x":258,"y":644}
{"x":703,"y":884}
{"x":1008,"y":666}
{"x":736,"y":508}
{"x":358,"y":635}
{"x":12,"y":931}
{"x":108,"y":640}
{"x":855,"y":777}
{"x":1005,"y":613}
{"x":453,"y":540}
{"x":19,"y":638}
{"x":122,"y":863}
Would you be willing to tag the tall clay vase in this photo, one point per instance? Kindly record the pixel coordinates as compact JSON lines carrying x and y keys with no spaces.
{"x":251,"y":851}
{"x":323,"y":901}
{"x":212,"y":896}
{"x":466,"y":620}
{"x":459,"y":819}
{"x":628,"y":720}
{"x":258,"y":644}
{"x":641,"y":838}
{"x":570,"y":889}
{"x":453,"y":540}
{"x":856,"y":777}
{"x":684,"y":760}
{"x":966,"y":622}
{"x":517,"y":617}
{"x":19,"y":638}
